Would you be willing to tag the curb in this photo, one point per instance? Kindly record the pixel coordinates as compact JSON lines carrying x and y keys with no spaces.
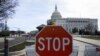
{"x":87,"y":42}
{"x":21,"y":52}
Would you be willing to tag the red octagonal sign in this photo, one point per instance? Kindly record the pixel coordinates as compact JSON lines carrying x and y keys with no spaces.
{"x":53,"y":41}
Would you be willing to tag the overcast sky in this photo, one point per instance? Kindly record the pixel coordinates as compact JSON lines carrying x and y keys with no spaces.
{"x":32,"y":13}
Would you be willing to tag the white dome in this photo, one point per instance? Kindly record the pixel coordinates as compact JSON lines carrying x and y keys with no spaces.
{"x":56,"y":14}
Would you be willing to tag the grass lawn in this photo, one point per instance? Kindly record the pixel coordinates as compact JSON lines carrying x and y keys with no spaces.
{"x":92,"y":37}
{"x":19,"y":47}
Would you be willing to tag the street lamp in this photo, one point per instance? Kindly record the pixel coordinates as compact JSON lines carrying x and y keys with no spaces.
{"x":6,"y":50}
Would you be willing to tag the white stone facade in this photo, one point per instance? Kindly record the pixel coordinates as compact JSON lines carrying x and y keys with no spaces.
{"x":80,"y":23}
{"x":88,"y":24}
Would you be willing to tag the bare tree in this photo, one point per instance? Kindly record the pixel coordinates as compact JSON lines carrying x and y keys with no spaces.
{"x":7,"y":8}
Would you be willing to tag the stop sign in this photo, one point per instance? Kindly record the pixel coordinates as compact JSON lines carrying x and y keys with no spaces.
{"x":53,"y":41}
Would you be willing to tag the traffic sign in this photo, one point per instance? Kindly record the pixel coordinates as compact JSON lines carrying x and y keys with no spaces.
{"x":53,"y":41}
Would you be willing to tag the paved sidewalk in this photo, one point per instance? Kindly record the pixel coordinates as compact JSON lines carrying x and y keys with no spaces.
{"x":89,"y":41}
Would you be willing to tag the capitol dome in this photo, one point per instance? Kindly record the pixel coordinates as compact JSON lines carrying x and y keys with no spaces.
{"x":56,"y":14}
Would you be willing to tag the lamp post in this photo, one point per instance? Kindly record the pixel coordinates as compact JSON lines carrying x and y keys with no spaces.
{"x":6,"y":49}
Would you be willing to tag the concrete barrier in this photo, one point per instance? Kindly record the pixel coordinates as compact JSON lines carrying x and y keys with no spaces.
{"x":30,"y":51}
{"x":91,"y":51}
{"x":75,"y":51}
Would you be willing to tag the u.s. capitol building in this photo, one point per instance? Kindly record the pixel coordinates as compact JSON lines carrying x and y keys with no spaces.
{"x":69,"y":24}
